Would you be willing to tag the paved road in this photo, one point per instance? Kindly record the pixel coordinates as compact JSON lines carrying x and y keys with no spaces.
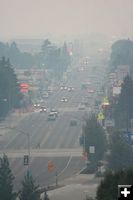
{"x":55,"y":137}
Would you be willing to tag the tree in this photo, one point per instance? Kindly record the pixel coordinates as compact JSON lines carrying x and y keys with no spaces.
{"x":94,"y":135}
{"x":65,"y":57}
{"x":10,"y":95}
{"x":6,"y":180}
{"x":29,"y":190}
{"x":108,"y":188}
{"x":17,"y":58}
{"x":54,"y":58}
{"x":121,"y":156}
{"x":122,"y":53}
{"x":123,"y":110}
{"x":45,"y":52}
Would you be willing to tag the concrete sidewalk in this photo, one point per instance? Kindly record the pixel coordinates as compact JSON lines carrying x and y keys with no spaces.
{"x":77,"y":187}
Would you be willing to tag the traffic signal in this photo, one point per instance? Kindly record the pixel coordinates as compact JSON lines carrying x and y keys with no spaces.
{"x":26,"y":160}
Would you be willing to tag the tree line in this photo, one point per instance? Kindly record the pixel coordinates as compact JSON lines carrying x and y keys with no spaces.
{"x":50,"y":57}
{"x":10,"y":96}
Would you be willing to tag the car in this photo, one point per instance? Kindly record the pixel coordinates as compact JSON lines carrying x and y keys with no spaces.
{"x":63,"y":87}
{"x":81,"y":106}
{"x":91,"y":91}
{"x":73,"y":122}
{"x":43,"y":109}
{"x":64,"y":99}
{"x":45,"y":95}
{"x":51,"y":117}
{"x":70,"y":89}
{"x":54,"y":111}
{"x":36,"y":105}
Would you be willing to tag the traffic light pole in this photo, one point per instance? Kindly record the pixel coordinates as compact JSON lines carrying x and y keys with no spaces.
{"x":28,"y":135}
{"x":28,"y":144}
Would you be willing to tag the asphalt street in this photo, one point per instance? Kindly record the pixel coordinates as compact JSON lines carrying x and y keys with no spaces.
{"x":55,"y":135}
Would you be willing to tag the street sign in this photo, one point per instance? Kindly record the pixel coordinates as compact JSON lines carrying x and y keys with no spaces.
{"x":24,"y":87}
{"x":100,"y":116}
{"x":105,"y":102}
{"x":92,"y":149}
{"x":109,"y":123}
{"x":26,"y":160}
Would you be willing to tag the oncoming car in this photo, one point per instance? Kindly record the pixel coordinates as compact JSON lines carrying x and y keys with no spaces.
{"x":64,"y":99}
{"x":43,"y":109}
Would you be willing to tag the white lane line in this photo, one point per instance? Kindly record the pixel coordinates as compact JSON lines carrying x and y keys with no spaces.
{"x":70,"y":158}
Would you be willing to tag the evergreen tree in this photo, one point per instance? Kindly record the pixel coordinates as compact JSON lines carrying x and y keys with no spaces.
{"x":121,"y":156}
{"x":122,"y":53}
{"x":65,"y":57}
{"x":6,"y":180}
{"x":123,"y":110}
{"x":9,"y":89}
{"x":108,"y":188}
{"x":29,"y":191}
{"x":94,"y":135}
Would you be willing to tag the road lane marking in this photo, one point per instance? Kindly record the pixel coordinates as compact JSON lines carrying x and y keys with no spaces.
{"x":70,"y":158}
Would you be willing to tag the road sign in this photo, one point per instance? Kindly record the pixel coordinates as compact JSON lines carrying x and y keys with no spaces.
{"x":92,"y":149}
{"x":100,"y":116}
{"x":24,"y":87}
{"x":26,"y":160}
{"x":51,"y":166}
{"x":109,"y":123}
{"x":105,"y":102}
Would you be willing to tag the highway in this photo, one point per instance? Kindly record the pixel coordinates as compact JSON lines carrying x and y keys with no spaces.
{"x":52,"y":140}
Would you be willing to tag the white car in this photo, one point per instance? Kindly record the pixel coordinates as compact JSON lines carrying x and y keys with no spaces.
{"x":81,"y":107}
{"x":45,"y":95}
{"x":64,"y":99}
{"x":36,"y":105}
{"x":70,"y":89}
{"x":43,"y":109}
{"x":54,"y":111}
{"x":63,"y":87}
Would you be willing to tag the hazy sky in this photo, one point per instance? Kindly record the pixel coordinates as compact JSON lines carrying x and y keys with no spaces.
{"x":37,"y":17}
